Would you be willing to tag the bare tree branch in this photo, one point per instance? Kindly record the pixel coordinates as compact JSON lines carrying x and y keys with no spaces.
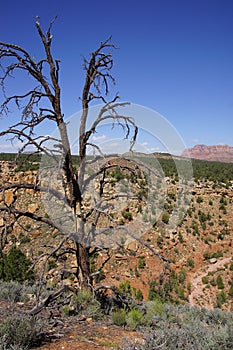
{"x":39,"y":106}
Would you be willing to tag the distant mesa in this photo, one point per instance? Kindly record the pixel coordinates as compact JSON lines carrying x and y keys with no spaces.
{"x":220,"y":153}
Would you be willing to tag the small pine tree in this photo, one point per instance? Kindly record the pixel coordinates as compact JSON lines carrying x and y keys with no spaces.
{"x":14,"y":266}
{"x":220,"y":282}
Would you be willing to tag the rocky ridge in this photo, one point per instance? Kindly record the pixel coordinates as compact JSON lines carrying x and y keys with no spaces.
{"x":221,"y":153}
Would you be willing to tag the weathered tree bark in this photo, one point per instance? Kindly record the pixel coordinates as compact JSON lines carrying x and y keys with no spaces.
{"x":83,"y":272}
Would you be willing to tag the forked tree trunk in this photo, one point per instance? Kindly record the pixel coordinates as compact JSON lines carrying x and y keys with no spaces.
{"x":44,"y":103}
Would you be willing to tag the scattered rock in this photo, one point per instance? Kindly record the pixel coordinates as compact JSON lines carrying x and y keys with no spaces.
{"x":133,"y":246}
{"x":127,"y":274}
{"x":32,"y":208}
{"x":9,"y":197}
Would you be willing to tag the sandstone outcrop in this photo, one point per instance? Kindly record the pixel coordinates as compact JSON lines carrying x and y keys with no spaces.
{"x":221,"y":153}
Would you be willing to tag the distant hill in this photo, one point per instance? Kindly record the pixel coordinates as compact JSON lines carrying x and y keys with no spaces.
{"x":220,"y":153}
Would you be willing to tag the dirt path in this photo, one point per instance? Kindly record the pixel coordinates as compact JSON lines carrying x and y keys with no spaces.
{"x":196,"y":281}
{"x":92,"y":336}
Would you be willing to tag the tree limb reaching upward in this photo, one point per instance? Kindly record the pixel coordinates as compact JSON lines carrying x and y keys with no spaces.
{"x":40,"y":107}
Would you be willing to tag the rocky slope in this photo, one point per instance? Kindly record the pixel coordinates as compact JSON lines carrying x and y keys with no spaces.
{"x":202,"y":241}
{"x":221,"y":153}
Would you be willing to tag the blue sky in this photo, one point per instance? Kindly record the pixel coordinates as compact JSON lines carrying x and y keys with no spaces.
{"x":174,"y":57}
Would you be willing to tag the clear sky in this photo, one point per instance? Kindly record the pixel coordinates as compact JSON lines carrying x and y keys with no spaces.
{"x":175,"y":56}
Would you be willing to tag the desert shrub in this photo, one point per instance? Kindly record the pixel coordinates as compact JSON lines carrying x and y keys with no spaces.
{"x":14,"y":291}
{"x":216,"y":255}
{"x":137,"y":294}
{"x":213,"y":282}
{"x":153,"y":293}
{"x":119,"y":318}
{"x":186,"y":337}
{"x":10,"y":291}
{"x":165,"y":217}
{"x":181,"y":238}
{"x":19,"y":331}
{"x":82,"y":298}
{"x":94,"y":310}
{"x":220,"y":283}
{"x":84,"y":302}
{"x":160,"y":242}
{"x":141,"y":262}
{"x":170,"y":289}
{"x":117,"y":174}
{"x":199,"y":199}
{"x":205,"y":280}
{"x":221,"y":299}
{"x":127,"y":215}
{"x":153,"y":308}
{"x":180,"y":292}
{"x":182,"y":327}
{"x":190,"y":263}
{"x":15,"y":266}
{"x":182,"y":275}
{"x":215,"y":317}
{"x":125,"y":288}
{"x":203,"y":225}
{"x":134,"y":318}
{"x":79,"y":302}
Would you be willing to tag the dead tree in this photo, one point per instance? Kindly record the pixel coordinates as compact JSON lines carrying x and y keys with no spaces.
{"x":42,"y":104}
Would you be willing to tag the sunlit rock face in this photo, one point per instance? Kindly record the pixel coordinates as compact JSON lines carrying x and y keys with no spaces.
{"x":221,"y":153}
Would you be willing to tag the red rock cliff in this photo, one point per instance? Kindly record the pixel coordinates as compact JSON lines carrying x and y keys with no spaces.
{"x":221,"y":153}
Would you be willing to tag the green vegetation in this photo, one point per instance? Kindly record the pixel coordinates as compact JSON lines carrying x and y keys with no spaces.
{"x":125,"y":288}
{"x":15,"y":292}
{"x":160,"y":318}
{"x":160,"y":242}
{"x":208,"y":170}
{"x":119,"y":318}
{"x":165,"y":217}
{"x":172,"y":290}
{"x":213,"y":171}
{"x":205,"y":280}
{"x":230,"y":293}
{"x":220,"y":283}
{"x":182,"y":327}
{"x":18,"y":331}
{"x":134,"y":318}
{"x":127,"y":215}
{"x":15,"y":266}
{"x":141,"y":262}
{"x":84,"y":303}
{"x":221,"y":299}
{"x":215,"y":255}
{"x":218,"y":172}
{"x":190,"y":263}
